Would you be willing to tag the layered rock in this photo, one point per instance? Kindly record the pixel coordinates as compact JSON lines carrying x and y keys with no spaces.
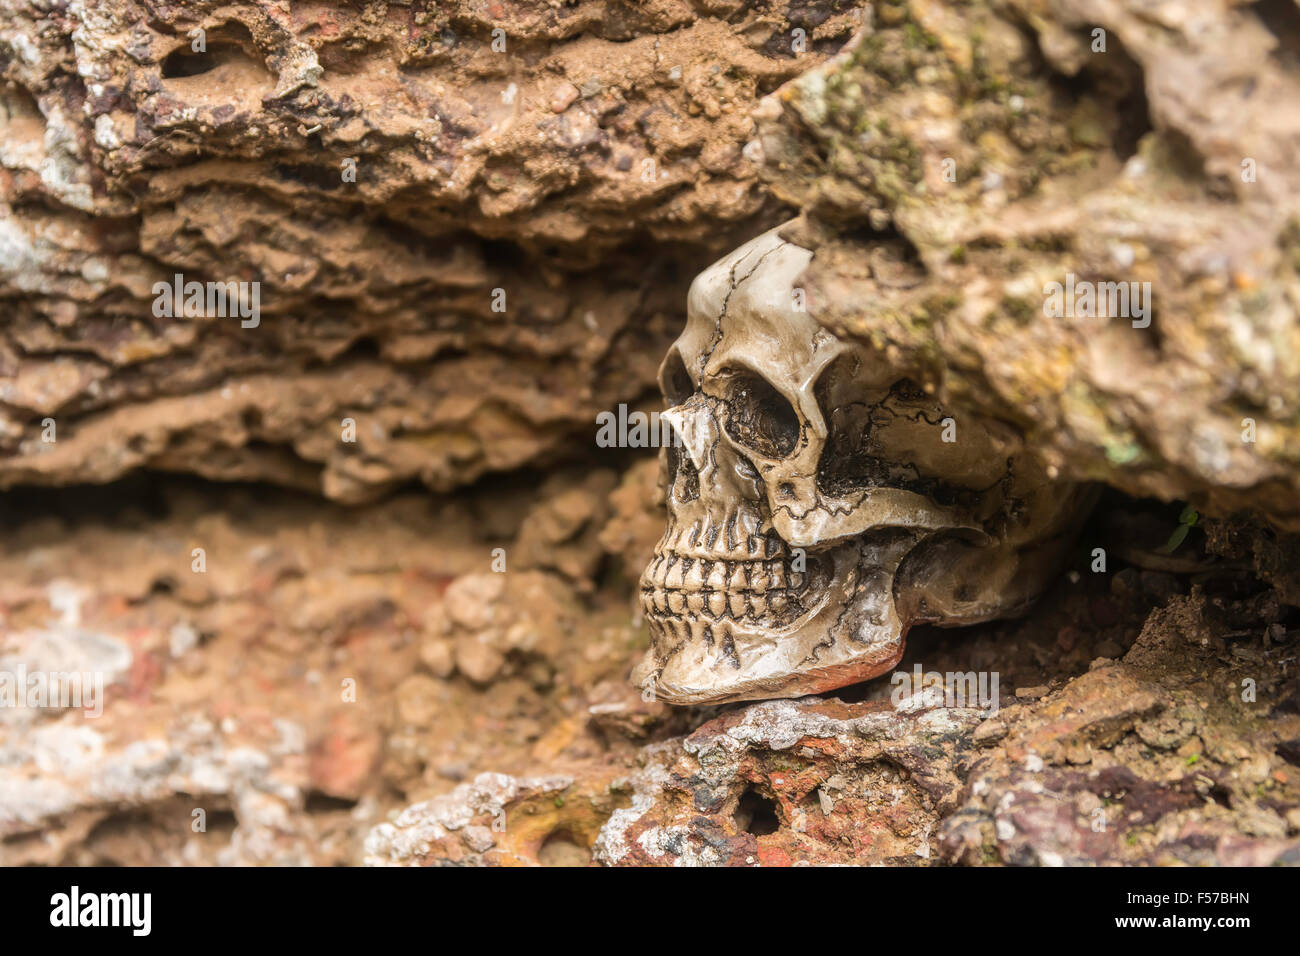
{"x":966,"y":171}
{"x":471,"y":227}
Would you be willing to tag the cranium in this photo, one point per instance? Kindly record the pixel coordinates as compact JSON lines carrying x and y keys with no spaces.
{"x":819,"y":504}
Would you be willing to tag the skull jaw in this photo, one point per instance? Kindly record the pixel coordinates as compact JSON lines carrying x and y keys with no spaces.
{"x":685,"y":686}
{"x":853,"y":634}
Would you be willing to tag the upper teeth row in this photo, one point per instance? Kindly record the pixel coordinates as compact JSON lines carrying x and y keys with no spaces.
{"x":689,"y":574}
{"x":736,"y":539}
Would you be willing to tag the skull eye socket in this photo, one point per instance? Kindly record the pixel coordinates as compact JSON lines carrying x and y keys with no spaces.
{"x":674,"y":381}
{"x":759,"y":417}
{"x":847,"y":410}
{"x":874,"y":435}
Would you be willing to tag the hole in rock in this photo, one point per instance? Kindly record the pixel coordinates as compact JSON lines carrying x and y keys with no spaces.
{"x":1108,"y":99}
{"x":756,"y":814}
{"x":222,"y":821}
{"x":185,"y":62}
{"x":229,"y":48}
{"x":561,"y":848}
{"x":318,"y":801}
{"x":503,"y":255}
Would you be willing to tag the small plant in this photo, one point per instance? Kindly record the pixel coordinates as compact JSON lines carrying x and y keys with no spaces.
{"x":1186,"y":521}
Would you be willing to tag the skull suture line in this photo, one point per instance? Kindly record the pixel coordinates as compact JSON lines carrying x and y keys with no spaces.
{"x":814,"y":510}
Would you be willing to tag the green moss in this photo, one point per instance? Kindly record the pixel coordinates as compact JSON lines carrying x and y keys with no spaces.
{"x":917,"y":38}
{"x":1123,"y":453}
{"x":1020,"y":311}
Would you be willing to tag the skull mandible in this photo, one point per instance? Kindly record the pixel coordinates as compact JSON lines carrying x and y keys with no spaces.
{"x":819,"y":503}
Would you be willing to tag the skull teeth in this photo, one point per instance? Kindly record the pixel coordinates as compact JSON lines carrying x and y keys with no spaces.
{"x":717,"y":604}
{"x":739,"y":580}
{"x":701,"y":590}
{"x":737,"y":604}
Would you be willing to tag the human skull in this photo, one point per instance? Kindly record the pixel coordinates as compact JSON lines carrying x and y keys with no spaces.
{"x":819,"y":504}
